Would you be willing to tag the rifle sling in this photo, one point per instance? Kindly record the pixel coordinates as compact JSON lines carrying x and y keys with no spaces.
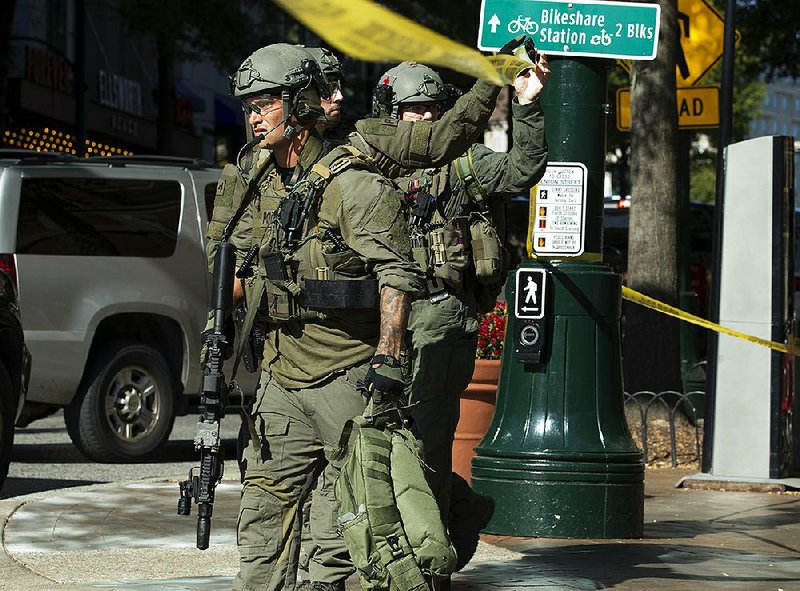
{"x":244,"y":335}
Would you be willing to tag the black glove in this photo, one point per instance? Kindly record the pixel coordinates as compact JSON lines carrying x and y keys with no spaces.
{"x":508,"y":48}
{"x":386,"y":378}
{"x":530,"y":49}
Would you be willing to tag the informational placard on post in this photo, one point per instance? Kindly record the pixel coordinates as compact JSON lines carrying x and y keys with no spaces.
{"x":557,"y":220}
{"x":530,"y":301}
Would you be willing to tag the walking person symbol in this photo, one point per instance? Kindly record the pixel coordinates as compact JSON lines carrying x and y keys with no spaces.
{"x":530,"y":291}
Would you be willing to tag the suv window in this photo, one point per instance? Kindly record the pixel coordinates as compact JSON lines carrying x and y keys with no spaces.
{"x":210,"y":195}
{"x":98,"y":217}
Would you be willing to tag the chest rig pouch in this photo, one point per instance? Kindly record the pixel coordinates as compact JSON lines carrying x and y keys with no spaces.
{"x":308,"y":271}
{"x":440,"y":239}
{"x":488,"y":254}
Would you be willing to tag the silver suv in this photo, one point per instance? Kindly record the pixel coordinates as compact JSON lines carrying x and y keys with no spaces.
{"x":113,"y":283}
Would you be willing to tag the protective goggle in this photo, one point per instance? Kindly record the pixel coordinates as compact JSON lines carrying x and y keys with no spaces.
{"x":335,"y":85}
{"x":261,"y":104}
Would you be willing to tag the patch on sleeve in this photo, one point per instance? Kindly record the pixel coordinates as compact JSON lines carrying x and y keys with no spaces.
{"x":420,"y":138}
{"x":388,"y":224}
{"x":379,"y":126}
{"x":221,"y":186}
{"x":215,"y":230}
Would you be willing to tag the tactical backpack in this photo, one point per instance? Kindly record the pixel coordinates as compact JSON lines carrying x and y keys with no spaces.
{"x":387,"y":514}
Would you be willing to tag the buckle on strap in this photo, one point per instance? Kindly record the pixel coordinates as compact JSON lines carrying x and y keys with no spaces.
{"x":437,"y":292}
{"x":394,"y":546}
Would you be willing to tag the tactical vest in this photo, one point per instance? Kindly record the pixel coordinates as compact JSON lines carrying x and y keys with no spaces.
{"x":307,"y":271}
{"x":454,"y":235}
{"x":388,"y":516}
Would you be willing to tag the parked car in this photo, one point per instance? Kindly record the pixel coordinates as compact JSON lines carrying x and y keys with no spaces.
{"x":113,"y":290}
{"x":15,"y":365}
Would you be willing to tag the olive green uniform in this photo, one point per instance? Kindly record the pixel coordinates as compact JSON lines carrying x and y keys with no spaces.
{"x":312,"y":359}
{"x":392,"y":146}
{"x":444,"y":333}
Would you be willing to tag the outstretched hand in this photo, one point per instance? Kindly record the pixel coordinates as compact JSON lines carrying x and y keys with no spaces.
{"x":529,"y":83}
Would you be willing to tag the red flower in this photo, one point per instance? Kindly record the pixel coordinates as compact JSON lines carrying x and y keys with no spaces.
{"x":491,"y":332}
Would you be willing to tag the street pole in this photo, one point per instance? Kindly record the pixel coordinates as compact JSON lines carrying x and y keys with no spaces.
{"x":725,"y":126}
{"x":558,"y":458}
{"x":80,"y":78}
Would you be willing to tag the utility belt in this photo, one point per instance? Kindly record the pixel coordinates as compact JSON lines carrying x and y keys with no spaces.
{"x":293,"y":295}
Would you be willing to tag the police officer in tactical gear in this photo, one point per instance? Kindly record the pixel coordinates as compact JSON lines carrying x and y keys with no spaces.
{"x":457,"y":233}
{"x":332,"y":279}
{"x":331,"y":66}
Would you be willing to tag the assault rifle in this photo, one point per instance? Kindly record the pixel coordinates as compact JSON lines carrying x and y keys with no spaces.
{"x":201,"y":487}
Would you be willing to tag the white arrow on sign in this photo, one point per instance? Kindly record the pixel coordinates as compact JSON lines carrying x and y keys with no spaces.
{"x":529,"y":309}
{"x":493,"y":22}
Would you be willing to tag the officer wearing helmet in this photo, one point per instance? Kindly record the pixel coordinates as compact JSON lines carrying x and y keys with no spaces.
{"x":332,"y":281}
{"x":330,"y":65}
{"x":457,"y":234}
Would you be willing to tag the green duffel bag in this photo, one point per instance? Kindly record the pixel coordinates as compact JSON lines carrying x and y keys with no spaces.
{"x":387,"y":513}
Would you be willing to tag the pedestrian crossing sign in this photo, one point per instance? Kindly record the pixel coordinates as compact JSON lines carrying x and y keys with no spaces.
{"x":530,"y":293}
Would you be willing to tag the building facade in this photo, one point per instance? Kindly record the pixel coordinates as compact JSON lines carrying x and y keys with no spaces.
{"x":780,"y":115}
{"x":119,"y":80}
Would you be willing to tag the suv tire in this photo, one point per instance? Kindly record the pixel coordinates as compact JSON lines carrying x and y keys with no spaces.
{"x":6,"y":422}
{"x":124,"y":409}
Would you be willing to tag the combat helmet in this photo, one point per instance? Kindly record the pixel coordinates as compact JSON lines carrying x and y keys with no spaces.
{"x":287,"y":71}
{"x":407,"y":83}
{"x":328,"y":61}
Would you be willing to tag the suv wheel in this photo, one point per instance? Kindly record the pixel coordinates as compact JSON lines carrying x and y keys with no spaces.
{"x":6,"y":423}
{"x":124,"y":410}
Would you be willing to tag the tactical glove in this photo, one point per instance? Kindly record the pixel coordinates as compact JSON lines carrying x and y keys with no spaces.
{"x":508,"y":48}
{"x":530,"y":49}
{"x":385,"y":379}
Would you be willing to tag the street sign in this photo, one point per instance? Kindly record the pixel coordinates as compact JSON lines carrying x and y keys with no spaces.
{"x":626,"y":30}
{"x":698,"y":107}
{"x":558,"y":211}
{"x":701,"y":30}
{"x":529,"y":301}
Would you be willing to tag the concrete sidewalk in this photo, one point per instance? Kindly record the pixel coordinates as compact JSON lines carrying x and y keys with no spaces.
{"x":127,"y":536}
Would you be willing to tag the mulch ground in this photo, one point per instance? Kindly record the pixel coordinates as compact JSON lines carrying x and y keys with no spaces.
{"x":688,"y":440}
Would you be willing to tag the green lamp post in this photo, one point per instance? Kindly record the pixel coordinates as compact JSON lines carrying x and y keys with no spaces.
{"x":558,"y":457}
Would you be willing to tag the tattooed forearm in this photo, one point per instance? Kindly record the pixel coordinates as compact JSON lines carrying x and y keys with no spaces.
{"x":395,"y":305}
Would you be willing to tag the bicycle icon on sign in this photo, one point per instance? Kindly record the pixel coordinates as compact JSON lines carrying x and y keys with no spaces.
{"x":523,"y":24}
{"x":602,"y":39}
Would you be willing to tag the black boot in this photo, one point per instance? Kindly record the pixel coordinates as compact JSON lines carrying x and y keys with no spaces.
{"x":469,"y":514}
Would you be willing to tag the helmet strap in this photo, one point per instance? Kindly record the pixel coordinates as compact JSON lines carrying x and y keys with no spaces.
{"x":288,"y":106}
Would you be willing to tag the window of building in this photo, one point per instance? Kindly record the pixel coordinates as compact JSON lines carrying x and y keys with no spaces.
{"x":98,"y":217}
{"x":785,"y":102}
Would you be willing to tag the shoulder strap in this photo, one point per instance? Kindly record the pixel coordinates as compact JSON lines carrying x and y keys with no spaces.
{"x":465,"y":170}
{"x":338,"y":160}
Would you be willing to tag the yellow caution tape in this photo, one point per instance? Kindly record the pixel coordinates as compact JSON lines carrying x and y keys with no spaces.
{"x":643,"y":300}
{"x":367,"y":31}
